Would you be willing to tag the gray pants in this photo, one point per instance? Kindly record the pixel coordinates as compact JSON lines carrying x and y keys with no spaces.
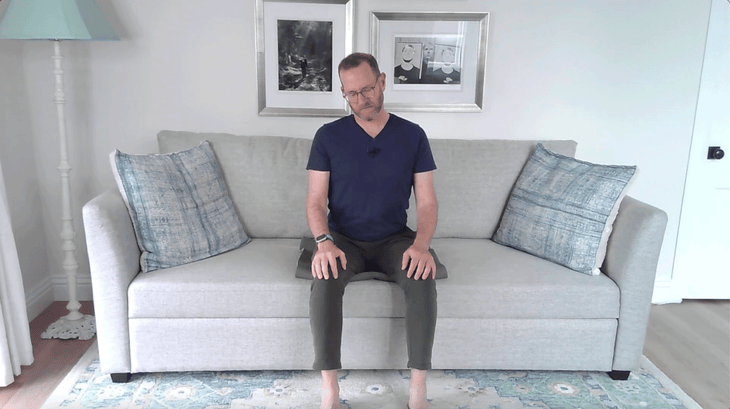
{"x":325,"y":301}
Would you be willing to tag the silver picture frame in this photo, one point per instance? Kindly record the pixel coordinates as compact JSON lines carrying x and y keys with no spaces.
{"x":298,"y":46}
{"x":445,"y":55}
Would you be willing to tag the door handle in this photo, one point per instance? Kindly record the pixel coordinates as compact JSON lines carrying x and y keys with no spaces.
{"x":715,"y":152}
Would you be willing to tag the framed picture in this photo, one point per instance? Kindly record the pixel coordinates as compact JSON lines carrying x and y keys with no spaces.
{"x":434,"y":62}
{"x":298,"y":46}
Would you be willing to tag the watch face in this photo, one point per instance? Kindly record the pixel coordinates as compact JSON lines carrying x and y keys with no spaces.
{"x":321,"y":238}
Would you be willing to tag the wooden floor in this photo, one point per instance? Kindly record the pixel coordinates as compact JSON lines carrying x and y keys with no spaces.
{"x":54,"y":358}
{"x":689,"y":342}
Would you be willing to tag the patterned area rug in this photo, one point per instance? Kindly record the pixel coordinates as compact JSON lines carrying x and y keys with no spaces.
{"x":85,"y":387}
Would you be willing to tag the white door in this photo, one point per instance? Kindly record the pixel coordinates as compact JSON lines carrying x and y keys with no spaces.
{"x":702,"y":262}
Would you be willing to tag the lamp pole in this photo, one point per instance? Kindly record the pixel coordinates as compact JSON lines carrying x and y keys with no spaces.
{"x":75,"y":324}
{"x":70,"y":265}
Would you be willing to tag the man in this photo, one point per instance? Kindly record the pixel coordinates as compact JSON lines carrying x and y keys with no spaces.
{"x":428,"y":52}
{"x":303,"y":64}
{"x":406,"y":72}
{"x":447,"y":72}
{"x":365,"y":165}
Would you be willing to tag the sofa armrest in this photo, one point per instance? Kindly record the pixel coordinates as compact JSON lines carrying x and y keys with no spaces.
{"x":114,"y":262}
{"x":631,"y":261}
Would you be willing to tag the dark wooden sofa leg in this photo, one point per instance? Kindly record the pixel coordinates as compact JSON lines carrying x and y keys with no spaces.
{"x":619,"y":375}
{"x":121,"y":377}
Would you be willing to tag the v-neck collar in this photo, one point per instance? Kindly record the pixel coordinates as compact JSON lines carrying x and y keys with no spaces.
{"x":390,"y":117}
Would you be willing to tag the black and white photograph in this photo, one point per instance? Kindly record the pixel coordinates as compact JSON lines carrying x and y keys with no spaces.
{"x":445,"y":68}
{"x":435,"y":59}
{"x":408,"y":57}
{"x":305,"y":55}
{"x":298,"y":46}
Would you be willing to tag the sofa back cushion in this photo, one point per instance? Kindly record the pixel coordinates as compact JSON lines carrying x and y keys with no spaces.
{"x":267,"y":179}
{"x":473,"y":181}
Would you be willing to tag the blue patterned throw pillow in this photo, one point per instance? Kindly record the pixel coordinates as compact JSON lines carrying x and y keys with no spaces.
{"x":562,"y":209}
{"x":179,"y":205}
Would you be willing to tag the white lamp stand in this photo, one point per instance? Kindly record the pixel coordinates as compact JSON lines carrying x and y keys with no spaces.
{"x":75,"y":324}
{"x":60,"y":20}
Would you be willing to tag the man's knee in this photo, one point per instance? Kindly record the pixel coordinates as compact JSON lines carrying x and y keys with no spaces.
{"x":329,"y":284}
{"x":424,"y":290}
{"x":333,"y":283}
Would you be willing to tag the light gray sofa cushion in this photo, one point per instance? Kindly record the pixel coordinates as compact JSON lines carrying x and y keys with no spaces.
{"x":501,"y":282}
{"x":267,"y":179}
{"x":486,"y":281}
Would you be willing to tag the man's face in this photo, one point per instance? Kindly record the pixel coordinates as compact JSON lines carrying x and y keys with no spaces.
{"x":448,"y":56}
{"x":408,"y":54}
{"x":355,"y":80}
{"x":428,"y":51}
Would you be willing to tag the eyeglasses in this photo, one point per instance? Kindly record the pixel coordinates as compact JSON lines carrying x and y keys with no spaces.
{"x":366,"y":92}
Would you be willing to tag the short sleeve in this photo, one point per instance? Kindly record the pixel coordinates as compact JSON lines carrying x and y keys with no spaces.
{"x":318,"y":158}
{"x":424,"y":157}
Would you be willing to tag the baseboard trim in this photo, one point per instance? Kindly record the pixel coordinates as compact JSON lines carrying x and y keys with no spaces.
{"x":665,"y":293}
{"x":53,"y":289}
{"x":39,"y":298}
{"x":60,"y":288}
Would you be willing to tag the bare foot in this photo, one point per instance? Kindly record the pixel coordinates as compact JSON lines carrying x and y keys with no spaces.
{"x":330,"y":390}
{"x":418,"y":390}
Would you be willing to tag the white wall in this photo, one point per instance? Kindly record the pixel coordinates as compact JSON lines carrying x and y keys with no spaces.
{"x":619,"y":77}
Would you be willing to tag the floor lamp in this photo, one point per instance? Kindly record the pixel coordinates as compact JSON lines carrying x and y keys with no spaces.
{"x":59,"y":20}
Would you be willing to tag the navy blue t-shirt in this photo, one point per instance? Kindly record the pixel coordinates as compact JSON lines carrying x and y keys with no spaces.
{"x":370,"y":178}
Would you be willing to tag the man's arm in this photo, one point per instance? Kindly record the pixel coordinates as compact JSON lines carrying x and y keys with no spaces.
{"x":326,"y":253}
{"x":422,"y":263}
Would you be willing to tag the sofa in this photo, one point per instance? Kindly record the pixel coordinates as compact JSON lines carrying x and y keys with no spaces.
{"x":244,"y":309}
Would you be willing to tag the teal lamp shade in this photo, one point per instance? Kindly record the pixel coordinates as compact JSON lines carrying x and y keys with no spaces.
{"x":55,"y":20}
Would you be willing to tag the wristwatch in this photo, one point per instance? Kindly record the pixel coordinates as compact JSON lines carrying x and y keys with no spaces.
{"x":324,"y":237}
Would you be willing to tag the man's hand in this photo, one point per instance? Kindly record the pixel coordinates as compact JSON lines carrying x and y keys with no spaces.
{"x":325,"y":257}
{"x":421,"y":263}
